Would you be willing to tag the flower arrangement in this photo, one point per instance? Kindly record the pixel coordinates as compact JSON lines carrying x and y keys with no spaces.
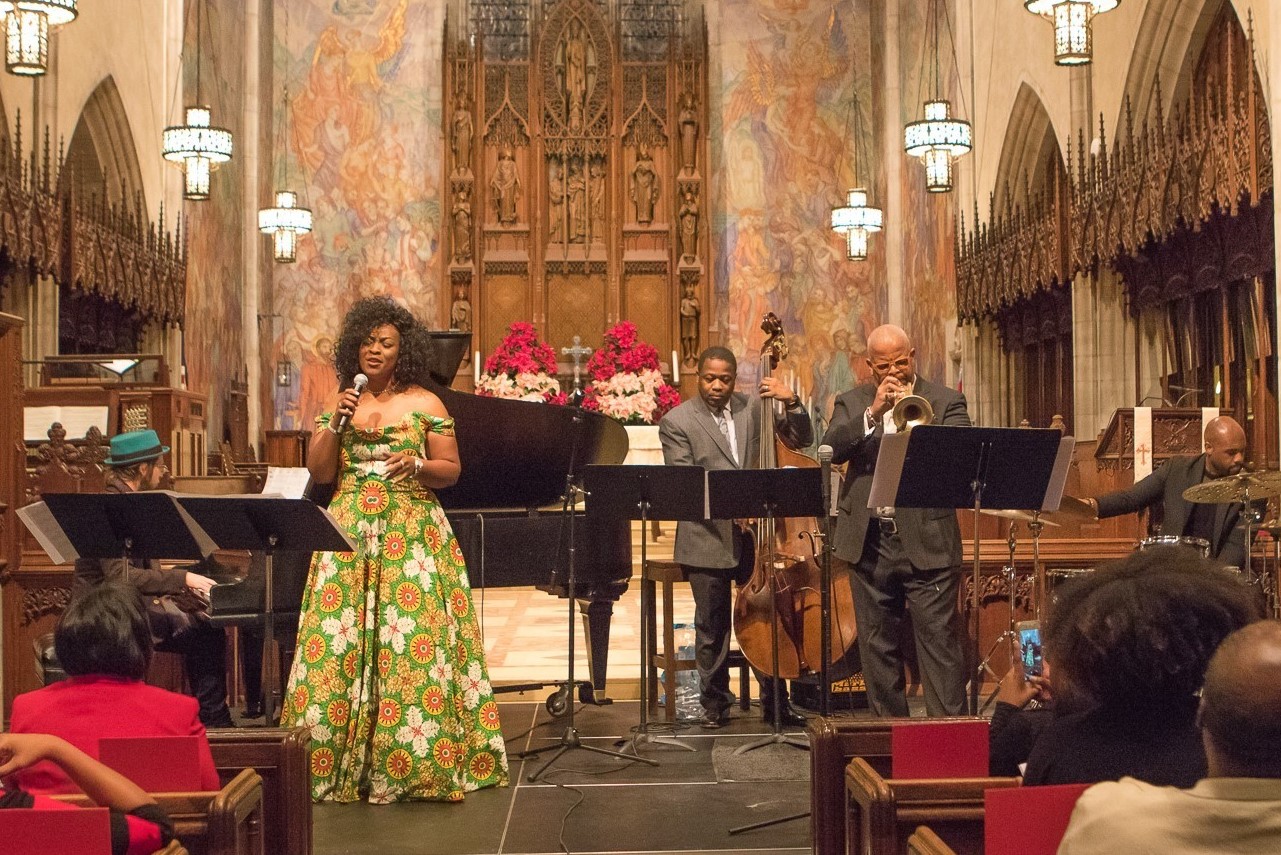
{"x":625,"y":380}
{"x":521,"y":368}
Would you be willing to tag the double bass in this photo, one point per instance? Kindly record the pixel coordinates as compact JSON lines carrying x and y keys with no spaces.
{"x":786,"y":569}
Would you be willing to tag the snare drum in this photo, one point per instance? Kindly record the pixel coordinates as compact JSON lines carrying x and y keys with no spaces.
{"x":1200,"y":544}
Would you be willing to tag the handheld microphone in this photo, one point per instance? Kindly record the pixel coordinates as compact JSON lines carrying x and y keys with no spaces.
{"x":359,"y":382}
{"x":825,"y":469}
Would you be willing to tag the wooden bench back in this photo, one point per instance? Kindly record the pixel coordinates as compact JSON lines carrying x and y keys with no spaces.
{"x":882,"y":812}
{"x":281,"y":756}
{"x":833,"y":744}
{"x":925,"y":842}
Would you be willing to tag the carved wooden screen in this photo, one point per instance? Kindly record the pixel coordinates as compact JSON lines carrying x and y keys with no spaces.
{"x":575,"y":164}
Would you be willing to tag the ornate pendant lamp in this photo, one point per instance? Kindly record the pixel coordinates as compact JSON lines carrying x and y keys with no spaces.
{"x":199,"y":147}
{"x":1072,"y":20}
{"x":856,"y":219}
{"x":27,"y":23}
{"x":939,"y":137}
{"x":286,"y":221}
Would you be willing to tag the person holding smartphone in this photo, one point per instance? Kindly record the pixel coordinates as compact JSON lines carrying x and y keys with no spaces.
{"x":1024,"y":706}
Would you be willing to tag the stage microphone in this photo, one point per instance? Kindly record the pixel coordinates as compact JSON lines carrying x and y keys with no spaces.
{"x":825,"y":468}
{"x":359,"y":382}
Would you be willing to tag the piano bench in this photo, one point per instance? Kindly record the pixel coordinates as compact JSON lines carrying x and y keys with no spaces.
{"x":662,"y":573}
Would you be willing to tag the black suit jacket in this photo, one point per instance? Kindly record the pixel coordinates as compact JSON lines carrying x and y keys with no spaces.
{"x":1166,"y":486}
{"x":930,"y":536}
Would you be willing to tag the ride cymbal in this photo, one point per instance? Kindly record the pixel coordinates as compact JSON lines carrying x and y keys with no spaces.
{"x":1236,"y":488}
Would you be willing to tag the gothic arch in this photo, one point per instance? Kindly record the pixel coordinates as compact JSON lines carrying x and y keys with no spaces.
{"x":1030,"y":143}
{"x":1171,"y":36}
{"x":101,"y":157}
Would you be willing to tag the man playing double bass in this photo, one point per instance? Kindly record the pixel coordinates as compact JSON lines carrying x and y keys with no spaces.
{"x":720,"y":429}
{"x":898,"y":556}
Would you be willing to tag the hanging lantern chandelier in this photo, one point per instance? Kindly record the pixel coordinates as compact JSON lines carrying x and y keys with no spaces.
{"x":27,"y":23}
{"x":1073,"y":21}
{"x":198,"y":146}
{"x":284,"y":223}
{"x":938,"y":138}
{"x":856,"y":220}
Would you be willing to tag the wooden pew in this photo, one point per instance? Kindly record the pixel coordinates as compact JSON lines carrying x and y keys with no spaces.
{"x":882,"y":812}
{"x":833,"y":744}
{"x":281,"y":756}
{"x":226,"y":822}
{"x":925,"y":842}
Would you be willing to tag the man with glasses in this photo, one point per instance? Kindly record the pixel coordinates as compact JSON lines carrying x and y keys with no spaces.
{"x":898,"y":557}
{"x":136,"y":463}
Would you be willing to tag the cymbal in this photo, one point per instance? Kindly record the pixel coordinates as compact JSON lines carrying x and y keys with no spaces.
{"x":1018,"y":516}
{"x":1233,"y":488}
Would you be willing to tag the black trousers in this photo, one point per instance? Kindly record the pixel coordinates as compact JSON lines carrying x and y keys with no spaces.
{"x":885,"y":585}
{"x":204,"y":654}
{"x":713,"y":622}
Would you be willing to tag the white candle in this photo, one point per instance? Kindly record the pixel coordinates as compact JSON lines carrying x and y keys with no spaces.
{"x":475,"y":360}
{"x":676,"y":368}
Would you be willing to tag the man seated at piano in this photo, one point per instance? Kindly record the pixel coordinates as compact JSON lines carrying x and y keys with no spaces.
{"x":1216,"y":524}
{"x":136,"y":463}
{"x":720,"y":429}
{"x":389,"y":672}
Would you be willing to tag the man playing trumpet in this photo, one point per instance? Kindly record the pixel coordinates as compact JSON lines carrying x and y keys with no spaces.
{"x":897,"y":556}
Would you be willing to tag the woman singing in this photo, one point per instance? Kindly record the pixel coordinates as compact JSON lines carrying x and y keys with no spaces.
{"x":390,"y":671}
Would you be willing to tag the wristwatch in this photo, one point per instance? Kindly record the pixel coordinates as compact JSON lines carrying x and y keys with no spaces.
{"x":869,"y":419}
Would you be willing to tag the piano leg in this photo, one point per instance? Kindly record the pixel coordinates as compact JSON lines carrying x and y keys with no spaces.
{"x":597,"y":615}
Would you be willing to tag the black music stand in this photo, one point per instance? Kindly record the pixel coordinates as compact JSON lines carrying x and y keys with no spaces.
{"x":139,"y":526}
{"x":266,"y":524}
{"x":951,"y":466}
{"x":767,"y":494}
{"x":645,"y":493}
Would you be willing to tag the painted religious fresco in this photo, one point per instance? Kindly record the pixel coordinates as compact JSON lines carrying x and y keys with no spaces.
{"x":213,"y":346}
{"x":928,"y":220}
{"x":365,"y":144}
{"x":787,"y":71}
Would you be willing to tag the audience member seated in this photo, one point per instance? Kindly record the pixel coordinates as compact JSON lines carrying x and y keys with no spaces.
{"x":1023,"y":709}
{"x":1128,"y":646}
{"x":1237,"y":808}
{"x":104,"y":643}
{"x":138,"y":824}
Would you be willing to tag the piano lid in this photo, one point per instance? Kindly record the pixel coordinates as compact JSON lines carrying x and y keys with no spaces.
{"x":515,"y":454}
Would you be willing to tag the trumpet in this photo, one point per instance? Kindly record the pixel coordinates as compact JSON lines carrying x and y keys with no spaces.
{"x":910,"y":411}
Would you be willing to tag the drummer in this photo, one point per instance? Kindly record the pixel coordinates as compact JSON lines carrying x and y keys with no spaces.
{"x":1217,"y":525}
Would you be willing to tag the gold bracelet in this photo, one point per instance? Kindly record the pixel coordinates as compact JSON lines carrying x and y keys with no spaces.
{"x":330,"y":428}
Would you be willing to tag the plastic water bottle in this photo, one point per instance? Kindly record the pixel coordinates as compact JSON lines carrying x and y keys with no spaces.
{"x":688,"y":705}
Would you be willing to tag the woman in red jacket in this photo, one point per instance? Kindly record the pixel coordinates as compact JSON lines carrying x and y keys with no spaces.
{"x":104,"y":643}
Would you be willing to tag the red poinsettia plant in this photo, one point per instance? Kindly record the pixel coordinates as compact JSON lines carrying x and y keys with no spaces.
{"x":626,"y":381}
{"x":522,"y":367}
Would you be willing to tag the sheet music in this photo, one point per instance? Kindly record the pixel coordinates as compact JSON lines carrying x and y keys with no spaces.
{"x":291,"y":482}
{"x":40,"y":522}
{"x":889,"y":469}
{"x":1058,"y":477}
{"x":76,"y":420}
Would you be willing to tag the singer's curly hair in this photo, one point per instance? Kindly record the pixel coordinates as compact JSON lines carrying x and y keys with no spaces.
{"x":1140,"y":632}
{"x":413,"y":365}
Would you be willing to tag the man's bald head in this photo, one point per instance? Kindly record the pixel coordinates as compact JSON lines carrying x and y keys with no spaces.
{"x":1224,"y":447}
{"x":1241,"y":704}
{"x":890,"y":352}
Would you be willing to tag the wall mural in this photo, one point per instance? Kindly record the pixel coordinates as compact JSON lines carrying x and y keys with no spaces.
{"x":213,"y":348}
{"x":365,"y":149}
{"x":928,"y":220}
{"x":785,"y":159}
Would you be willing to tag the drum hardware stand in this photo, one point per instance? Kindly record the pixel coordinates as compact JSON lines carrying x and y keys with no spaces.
{"x":569,"y":737}
{"x":1010,"y":573}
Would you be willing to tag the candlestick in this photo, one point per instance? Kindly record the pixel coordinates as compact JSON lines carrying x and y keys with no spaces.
{"x":676,"y":368}
{"x":476,"y":368}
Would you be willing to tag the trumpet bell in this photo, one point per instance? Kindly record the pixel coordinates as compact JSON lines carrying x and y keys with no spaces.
{"x":910,"y":411}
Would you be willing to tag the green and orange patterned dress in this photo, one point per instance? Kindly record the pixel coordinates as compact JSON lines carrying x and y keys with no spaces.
{"x":389,"y":673}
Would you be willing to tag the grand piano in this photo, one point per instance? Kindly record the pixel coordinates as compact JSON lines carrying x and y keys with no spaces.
{"x":507,"y":511}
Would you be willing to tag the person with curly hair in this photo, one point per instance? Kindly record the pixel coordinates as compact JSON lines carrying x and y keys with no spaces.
{"x":1128,"y":646}
{"x":390,"y":672}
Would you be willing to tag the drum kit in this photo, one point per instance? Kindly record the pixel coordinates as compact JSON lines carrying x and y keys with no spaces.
{"x":1248,"y":488}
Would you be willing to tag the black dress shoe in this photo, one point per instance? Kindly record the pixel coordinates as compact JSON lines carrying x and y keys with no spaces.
{"x":713,"y":719}
{"x":788,"y":717}
{"x":253,"y":709}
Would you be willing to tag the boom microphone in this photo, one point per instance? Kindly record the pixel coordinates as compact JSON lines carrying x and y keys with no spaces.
{"x":359,"y":382}
{"x":825,"y":469}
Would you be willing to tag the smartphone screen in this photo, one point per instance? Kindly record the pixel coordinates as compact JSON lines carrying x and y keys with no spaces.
{"x":1030,"y":645}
